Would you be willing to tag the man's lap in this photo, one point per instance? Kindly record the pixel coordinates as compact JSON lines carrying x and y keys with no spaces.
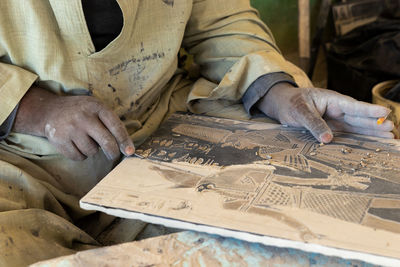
{"x":40,"y":217}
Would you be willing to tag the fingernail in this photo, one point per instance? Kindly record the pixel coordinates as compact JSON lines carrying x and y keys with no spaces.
{"x":326,"y":137}
{"x":129,"y":150}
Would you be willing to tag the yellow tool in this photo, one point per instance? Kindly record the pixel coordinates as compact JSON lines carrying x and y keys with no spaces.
{"x":380,"y":120}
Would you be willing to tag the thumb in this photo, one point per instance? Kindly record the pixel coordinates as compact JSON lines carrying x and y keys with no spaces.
{"x":308,"y":117}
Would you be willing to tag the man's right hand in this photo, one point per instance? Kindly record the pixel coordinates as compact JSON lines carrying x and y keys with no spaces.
{"x":75,"y":125}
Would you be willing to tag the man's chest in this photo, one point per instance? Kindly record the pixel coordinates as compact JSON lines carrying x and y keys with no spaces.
{"x":52,"y":39}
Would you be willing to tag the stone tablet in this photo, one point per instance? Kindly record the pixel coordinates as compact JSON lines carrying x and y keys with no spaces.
{"x":263,"y":183}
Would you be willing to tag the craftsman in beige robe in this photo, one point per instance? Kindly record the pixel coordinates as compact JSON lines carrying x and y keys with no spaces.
{"x":47,"y":42}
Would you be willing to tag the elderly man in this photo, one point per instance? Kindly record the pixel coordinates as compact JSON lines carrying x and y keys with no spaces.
{"x":82,"y":81}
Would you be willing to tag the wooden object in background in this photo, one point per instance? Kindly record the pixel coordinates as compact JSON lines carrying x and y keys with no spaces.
{"x":304,"y":33}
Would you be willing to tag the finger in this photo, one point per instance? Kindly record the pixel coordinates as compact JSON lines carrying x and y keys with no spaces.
{"x":86,"y":145}
{"x":100,"y":134}
{"x":118,"y":130}
{"x":353,"y":107}
{"x":307,"y":116}
{"x":70,"y":151}
{"x":368,"y":123}
{"x":344,"y":127}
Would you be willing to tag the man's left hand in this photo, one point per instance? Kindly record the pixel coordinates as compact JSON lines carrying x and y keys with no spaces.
{"x":322,"y":111}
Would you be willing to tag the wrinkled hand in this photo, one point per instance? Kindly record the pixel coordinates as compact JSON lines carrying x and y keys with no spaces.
{"x":322,"y":111}
{"x":76,"y":125}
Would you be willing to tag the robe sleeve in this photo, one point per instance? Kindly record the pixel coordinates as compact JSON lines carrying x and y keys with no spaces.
{"x":260,"y":87}
{"x":233,"y":48}
{"x":14,"y":83}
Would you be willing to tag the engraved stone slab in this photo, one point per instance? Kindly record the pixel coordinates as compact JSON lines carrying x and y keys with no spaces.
{"x":263,"y":183}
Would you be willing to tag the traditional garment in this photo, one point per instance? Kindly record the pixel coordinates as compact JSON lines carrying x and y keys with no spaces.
{"x":47,"y":42}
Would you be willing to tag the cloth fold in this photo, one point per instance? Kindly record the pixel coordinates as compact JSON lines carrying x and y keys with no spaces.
{"x":7,"y":125}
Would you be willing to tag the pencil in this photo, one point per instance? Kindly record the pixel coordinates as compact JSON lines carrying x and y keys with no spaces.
{"x":381,"y":120}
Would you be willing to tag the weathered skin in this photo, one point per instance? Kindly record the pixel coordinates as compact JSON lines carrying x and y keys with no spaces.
{"x":322,"y":111}
{"x":78,"y":125}
{"x":75,"y":125}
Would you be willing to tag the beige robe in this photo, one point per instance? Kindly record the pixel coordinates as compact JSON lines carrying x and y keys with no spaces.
{"x":47,"y":42}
